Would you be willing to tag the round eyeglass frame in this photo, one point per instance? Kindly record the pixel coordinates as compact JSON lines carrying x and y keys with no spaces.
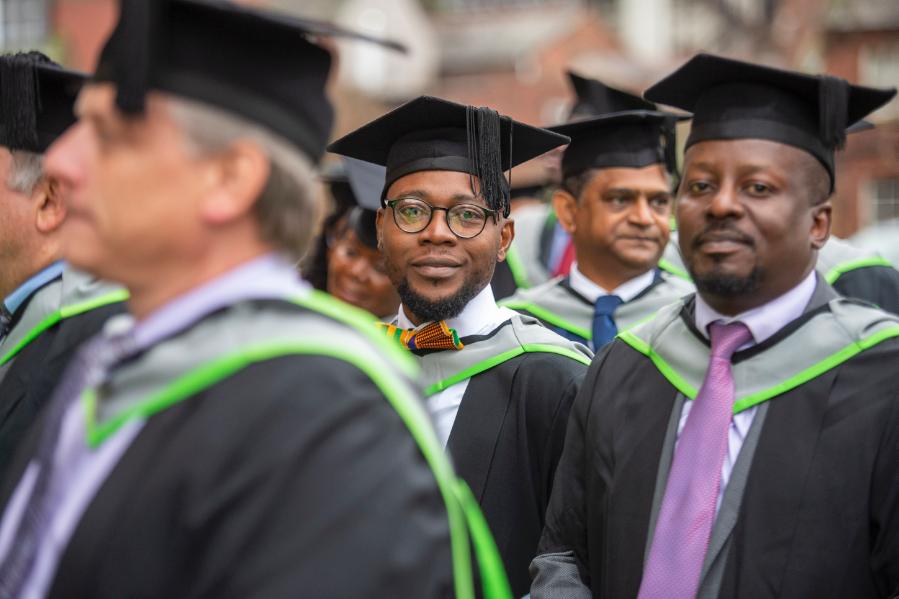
{"x":488,"y":213}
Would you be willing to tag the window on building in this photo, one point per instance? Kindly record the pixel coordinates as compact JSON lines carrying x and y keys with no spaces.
{"x":884,"y":195}
{"x":23,"y":24}
{"x":879,"y":66}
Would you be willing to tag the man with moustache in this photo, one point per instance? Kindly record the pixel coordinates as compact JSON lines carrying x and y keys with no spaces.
{"x":743,"y":442}
{"x":615,"y":202}
{"x":236,"y":434}
{"x":498,"y":384}
{"x":47,"y":308}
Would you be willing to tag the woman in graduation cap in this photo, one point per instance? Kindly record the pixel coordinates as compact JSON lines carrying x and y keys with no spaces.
{"x":498,"y":384}
{"x":346,"y":262}
{"x":743,"y":442}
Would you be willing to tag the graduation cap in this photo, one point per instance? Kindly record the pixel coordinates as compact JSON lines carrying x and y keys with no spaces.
{"x":434,"y":134}
{"x":731,"y":99}
{"x":595,"y":98}
{"x":36,"y":100}
{"x":366,"y":180}
{"x":259,"y":65}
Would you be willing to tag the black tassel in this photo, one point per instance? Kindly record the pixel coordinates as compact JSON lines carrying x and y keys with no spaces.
{"x":20,"y":99}
{"x":833,"y":110}
{"x":137,"y":31}
{"x":669,"y":141}
{"x":485,"y":154}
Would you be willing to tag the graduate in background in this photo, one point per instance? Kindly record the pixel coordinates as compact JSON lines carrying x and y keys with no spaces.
{"x":498,"y":384}
{"x":616,"y":203}
{"x":47,"y":307}
{"x":353,"y":267}
{"x":237,"y":434}
{"x":741,"y":444}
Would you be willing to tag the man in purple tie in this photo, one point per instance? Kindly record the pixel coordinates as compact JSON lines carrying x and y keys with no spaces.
{"x":743,"y":443}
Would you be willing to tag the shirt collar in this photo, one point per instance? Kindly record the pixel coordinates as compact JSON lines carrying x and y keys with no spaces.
{"x":18,"y":297}
{"x":271,"y":276}
{"x":481,"y":315}
{"x":626,"y":291}
{"x":765,"y":320}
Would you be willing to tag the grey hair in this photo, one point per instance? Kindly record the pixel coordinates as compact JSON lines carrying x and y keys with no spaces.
{"x":289,"y":208}
{"x":26,"y":171}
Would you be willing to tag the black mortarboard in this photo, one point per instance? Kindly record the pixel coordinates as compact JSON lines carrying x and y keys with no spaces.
{"x":631,"y":139}
{"x":36,"y":100}
{"x":356,"y":186}
{"x":256,"y":64}
{"x":595,"y":98}
{"x":731,"y":99}
{"x":434,"y":134}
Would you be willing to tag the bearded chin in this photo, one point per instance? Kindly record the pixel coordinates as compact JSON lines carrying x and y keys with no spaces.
{"x":446,"y":307}
{"x":724,"y":285}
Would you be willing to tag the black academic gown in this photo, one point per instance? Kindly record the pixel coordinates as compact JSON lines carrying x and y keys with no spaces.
{"x":505,"y":443}
{"x":293,"y":477}
{"x":30,"y":380}
{"x":819,"y":512}
{"x":876,"y":284}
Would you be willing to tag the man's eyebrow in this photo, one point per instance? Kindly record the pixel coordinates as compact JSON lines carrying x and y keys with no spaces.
{"x":412,"y":193}
{"x":464,"y":198}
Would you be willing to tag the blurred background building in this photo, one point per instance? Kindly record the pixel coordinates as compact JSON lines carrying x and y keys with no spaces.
{"x":512,"y":55}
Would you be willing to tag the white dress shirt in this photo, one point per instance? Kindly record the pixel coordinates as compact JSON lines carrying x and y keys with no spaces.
{"x":480,"y":316}
{"x":762,"y":322}
{"x":626,"y":291}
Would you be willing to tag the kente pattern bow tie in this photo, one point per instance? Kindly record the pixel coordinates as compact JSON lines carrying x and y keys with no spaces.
{"x":434,"y":335}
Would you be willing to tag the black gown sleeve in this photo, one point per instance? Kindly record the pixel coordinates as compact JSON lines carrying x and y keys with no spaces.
{"x":885,"y":508}
{"x":876,"y":284}
{"x":561,"y":566}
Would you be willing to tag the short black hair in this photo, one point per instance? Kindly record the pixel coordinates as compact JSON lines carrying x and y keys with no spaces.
{"x":815,"y":179}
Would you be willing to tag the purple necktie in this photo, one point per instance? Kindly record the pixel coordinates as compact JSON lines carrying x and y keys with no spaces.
{"x":685,"y":520}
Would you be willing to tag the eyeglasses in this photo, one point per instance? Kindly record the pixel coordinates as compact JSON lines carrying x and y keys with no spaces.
{"x":464,"y":220}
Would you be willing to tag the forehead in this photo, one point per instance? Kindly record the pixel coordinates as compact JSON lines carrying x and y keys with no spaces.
{"x":98,"y":101}
{"x":435,"y":186}
{"x":652,"y":178}
{"x":745,"y":153}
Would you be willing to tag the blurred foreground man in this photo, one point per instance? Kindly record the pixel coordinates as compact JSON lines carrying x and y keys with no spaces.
{"x":615,"y":202}
{"x":233,"y":436}
{"x":499,"y":385}
{"x":743,"y":443}
{"x":47,"y":308}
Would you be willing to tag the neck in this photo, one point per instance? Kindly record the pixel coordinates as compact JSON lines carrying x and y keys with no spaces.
{"x":153,"y":292}
{"x":13,"y":275}
{"x":609,"y":279}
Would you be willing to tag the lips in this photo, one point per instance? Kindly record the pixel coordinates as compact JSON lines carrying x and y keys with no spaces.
{"x":436,"y":267}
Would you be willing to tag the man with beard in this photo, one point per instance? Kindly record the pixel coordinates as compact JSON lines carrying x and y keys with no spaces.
{"x":499,"y":385}
{"x":235,"y":434}
{"x":615,"y":201}
{"x":741,"y":444}
{"x":47,"y":307}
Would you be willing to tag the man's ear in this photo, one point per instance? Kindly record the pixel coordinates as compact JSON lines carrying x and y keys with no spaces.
{"x":235,"y":177}
{"x":821,"y":222}
{"x":565,"y":206}
{"x":50,"y":209}
{"x":506,"y":235}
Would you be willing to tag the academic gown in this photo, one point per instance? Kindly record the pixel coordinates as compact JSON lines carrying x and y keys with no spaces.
{"x":508,"y":434}
{"x":526,"y":261}
{"x":33,"y":371}
{"x":558,"y":306}
{"x":816,"y":515}
{"x":291,"y":477}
